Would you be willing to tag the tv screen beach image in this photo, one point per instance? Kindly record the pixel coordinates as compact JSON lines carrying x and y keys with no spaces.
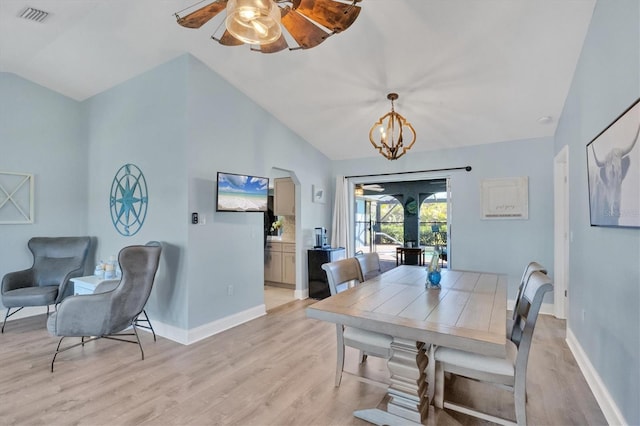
{"x":240,"y":193}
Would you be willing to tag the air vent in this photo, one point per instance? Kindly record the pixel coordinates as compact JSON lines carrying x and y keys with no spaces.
{"x":32,"y":14}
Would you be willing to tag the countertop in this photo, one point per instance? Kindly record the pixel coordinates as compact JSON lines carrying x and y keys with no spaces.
{"x":280,"y":239}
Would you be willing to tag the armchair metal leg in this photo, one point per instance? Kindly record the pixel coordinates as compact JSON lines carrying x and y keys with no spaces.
{"x":138,"y":339}
{"x":85,"y":339}
{"x":7,"y":315}
{"x":58,"y":350}
{"x":145,"y":319}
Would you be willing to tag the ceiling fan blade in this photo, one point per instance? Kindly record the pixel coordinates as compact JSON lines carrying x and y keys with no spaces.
{"x":328,"y":13}
{"x":273,"y":47}
{"x":201,"y":16}
{"x":228,"y":40}
{"x":305,"y":33}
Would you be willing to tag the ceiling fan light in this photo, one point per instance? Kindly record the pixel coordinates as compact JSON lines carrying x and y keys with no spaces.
{"x":253,"y":21}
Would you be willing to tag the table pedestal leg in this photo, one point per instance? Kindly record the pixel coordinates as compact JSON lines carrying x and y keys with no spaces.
{"x":408,"y":397}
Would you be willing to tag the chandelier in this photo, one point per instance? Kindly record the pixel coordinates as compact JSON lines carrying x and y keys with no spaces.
{"x":390,"y":140}
{"x":270,"y":26}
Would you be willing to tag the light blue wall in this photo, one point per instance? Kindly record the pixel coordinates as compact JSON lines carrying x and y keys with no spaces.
{"x":485,"y":245}
{"x":41,"y":132}
{"x":604,"y":262}
{"x":228,"y":132}
{"x":181,"y":123}
{"x":143,"y":122}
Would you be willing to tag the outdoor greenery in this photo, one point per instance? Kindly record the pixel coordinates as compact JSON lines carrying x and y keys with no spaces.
{"x":431,"y":215}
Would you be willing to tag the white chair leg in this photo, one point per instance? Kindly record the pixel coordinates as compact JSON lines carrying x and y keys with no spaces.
{"x":520,"y":401}
{"x":438,"y":397}
{"x":340,"y":354}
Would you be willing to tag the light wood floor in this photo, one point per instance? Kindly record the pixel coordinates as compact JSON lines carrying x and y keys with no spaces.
{"x":277,"y":296}
{"x":275,"y":370}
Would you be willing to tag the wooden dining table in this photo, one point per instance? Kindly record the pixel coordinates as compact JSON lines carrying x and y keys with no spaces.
{"x":468,"y":312}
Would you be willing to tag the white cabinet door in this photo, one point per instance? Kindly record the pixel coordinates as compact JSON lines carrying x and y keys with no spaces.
{"x":273,"y":266}
{"x":289,"y":268}
{"x":284,"y":198}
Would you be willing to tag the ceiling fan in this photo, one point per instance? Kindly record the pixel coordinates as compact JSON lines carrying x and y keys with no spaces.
{"x":374,"y":187}
{"x":258,"y":22}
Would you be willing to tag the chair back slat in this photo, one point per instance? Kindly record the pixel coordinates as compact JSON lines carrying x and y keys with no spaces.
{"x":342,"y":271}
{"x":369,"y":265}
{"x":538,"y":284}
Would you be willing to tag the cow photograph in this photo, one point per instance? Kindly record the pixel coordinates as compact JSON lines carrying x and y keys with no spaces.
{"x":613,"y":164}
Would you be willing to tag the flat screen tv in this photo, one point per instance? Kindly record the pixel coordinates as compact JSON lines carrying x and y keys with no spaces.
{"x":241,"y":193}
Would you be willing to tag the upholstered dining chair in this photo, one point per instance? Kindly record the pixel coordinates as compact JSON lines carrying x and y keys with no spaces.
{"x":108,"y":314}
{"x":55,"y":261}
{"x":369,"y":264}
{"x":509,"y":372}
{"x":340,"y":273}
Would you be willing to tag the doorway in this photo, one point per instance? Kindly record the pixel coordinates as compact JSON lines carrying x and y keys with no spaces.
{"x":391,"y":214}
{"x":561,"y":232}
{"x":280,"y":251}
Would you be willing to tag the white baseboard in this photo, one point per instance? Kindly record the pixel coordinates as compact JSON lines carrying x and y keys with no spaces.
{"x":301,"y":294}
{"x":606,"y":403}
{"x":180,"y":335}
{"x":187,"y":337}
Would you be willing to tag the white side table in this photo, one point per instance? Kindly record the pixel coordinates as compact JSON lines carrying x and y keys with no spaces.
{"x":87,"y":285}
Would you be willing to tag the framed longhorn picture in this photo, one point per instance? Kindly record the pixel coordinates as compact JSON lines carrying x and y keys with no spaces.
{"x":613,"y":165}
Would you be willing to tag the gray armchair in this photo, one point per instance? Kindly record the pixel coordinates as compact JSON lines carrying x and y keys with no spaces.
{"x":55,"y":261}
{"x":107,"y":314}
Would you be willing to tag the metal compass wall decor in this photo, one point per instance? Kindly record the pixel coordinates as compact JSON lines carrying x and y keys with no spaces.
{"x":128,"y":200}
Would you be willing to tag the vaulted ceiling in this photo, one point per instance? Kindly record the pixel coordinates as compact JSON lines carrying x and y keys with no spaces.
{"x":468,"y":72}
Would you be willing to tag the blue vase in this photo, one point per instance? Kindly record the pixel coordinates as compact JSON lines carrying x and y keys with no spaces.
{"x":434,"y":278}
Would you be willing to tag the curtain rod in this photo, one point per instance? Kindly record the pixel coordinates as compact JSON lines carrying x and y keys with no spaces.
{"x":467,"y":168}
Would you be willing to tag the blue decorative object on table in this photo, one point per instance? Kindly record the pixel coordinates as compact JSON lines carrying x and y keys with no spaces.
{"x":434,"y":279}
{"x":433,"y":271}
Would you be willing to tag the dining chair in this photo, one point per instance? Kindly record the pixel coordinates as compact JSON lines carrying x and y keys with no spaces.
{"x":342,"y":273}
{"x":369,"y":264}
{"x":528,"y":270}
{"x":509,"y":372}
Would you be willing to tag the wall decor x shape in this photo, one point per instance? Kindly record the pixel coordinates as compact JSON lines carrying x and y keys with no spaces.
{"x":16,"y":198}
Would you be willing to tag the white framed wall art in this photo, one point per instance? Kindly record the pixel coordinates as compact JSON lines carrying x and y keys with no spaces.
{"x":505,"y":198}
{"x":16,"y":198}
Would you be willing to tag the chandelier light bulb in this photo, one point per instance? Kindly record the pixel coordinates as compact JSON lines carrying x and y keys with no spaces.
{"x":253,"y":21}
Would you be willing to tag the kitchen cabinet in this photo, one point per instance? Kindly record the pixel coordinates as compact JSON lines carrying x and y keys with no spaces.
{"x":280,"y":263}
{"x":318,"y":283}
{"x":289,"y":263}
{"x":284,"y":197}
